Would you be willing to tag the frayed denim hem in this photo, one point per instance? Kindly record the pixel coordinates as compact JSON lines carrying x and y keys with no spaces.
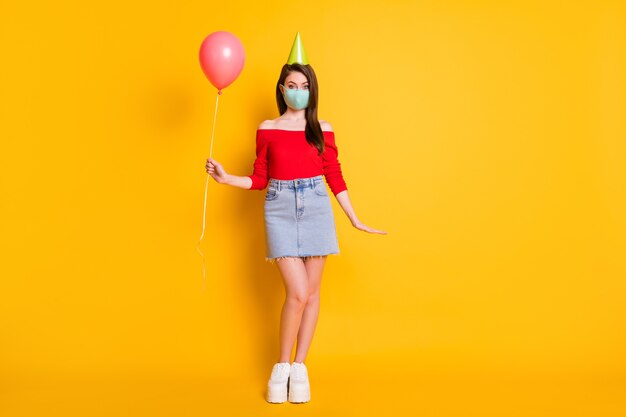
{"x":304,"y":258}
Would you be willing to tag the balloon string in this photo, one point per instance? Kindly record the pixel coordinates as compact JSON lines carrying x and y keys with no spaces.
{"x":206,"y":188}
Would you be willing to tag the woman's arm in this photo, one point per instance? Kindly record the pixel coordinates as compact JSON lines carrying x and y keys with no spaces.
{"x":258,"y":180}
{"x":238,"y":181}
{"x":334,"y":178}
{"x":219,"y":174}
{"x":344,"y":202}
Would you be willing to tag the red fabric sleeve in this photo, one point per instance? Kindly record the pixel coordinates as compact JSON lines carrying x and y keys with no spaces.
{"x":260,"y":176}
{"x":332,"y":166}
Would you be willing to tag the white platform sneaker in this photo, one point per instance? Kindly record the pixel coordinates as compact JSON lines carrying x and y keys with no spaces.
{"x":277,"y":384}
{"x":299,"y":389}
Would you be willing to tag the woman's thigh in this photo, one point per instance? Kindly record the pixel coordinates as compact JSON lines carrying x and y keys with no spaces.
{"x":294,"y":274}
{"x":301,"y":277}
{"x":314,"y":266}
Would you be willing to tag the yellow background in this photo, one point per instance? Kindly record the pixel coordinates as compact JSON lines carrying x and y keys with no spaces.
{"x":487,"y":137}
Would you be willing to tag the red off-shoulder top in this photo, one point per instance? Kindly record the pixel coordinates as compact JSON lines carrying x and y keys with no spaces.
{"x":286,"y":155}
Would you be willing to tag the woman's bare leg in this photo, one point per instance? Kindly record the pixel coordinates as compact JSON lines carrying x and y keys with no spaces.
{"x":294,"y":274}
{"x":314,"y":267}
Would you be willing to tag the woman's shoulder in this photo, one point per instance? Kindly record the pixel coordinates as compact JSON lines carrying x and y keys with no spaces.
{"x":326,"y":127}
{"x":267,"y":124}
{"x":274,"y":124}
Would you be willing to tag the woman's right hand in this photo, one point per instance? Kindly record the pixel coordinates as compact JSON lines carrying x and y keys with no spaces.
{"x":216,"y":170}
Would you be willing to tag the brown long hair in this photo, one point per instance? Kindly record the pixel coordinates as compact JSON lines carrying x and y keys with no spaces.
{"x":313,"y":130}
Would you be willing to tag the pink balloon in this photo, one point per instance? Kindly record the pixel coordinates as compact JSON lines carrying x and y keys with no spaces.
{"x":222,"y":57}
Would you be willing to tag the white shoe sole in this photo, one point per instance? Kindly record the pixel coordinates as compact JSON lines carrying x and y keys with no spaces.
{"x":299,"y":393}
{"x":276,"y":393}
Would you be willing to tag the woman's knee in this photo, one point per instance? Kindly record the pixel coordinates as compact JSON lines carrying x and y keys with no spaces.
{"x":298,"y":298}
{"x":313,"y":297}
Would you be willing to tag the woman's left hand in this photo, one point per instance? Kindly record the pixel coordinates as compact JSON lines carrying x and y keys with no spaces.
{"x":365,"y":228}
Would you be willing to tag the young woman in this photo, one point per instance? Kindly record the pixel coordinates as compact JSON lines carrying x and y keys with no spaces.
{"x":294,"y":152}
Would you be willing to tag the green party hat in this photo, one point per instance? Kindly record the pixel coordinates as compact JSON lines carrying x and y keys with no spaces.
{"x":297,"y":52}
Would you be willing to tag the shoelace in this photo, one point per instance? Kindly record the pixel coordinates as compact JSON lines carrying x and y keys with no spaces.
{"x":281,"y":370}
{"x":299,"y":371}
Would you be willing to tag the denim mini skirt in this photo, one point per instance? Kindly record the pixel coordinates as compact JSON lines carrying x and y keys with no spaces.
{"x":299,"y":219}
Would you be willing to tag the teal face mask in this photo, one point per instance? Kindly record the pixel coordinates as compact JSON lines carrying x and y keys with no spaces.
{"x":296,"y":99}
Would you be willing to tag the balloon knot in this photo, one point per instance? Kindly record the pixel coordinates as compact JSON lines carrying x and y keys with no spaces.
{"x":219,"y":92}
